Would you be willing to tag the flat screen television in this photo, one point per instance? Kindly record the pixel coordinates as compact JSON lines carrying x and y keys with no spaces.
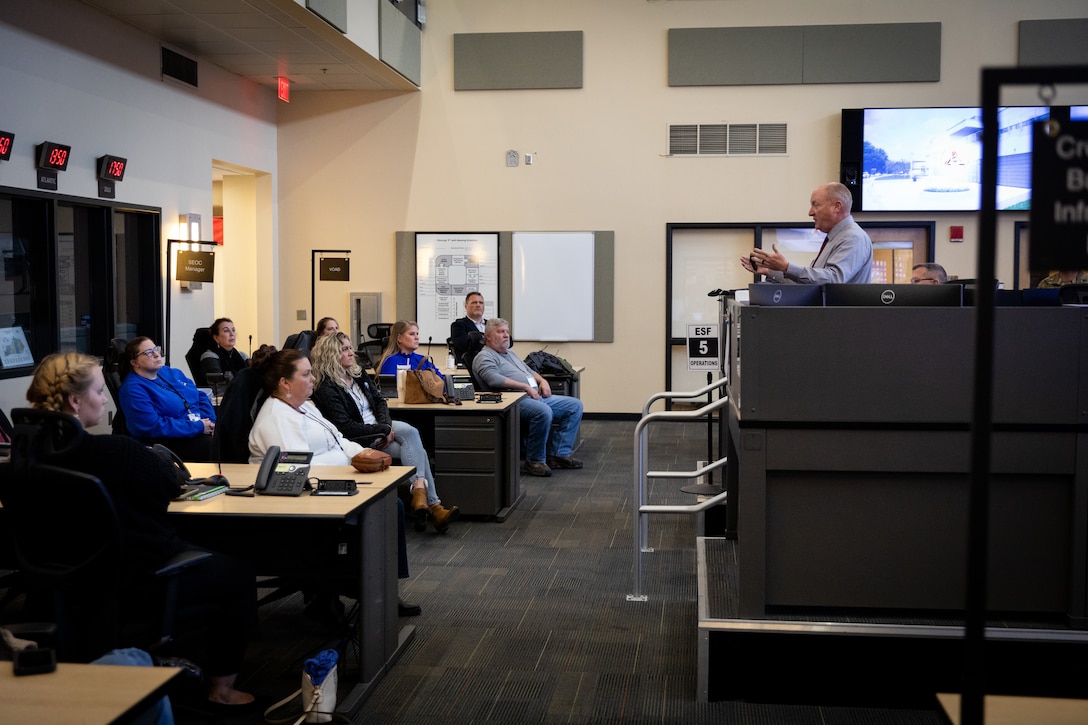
{"x":893,"y":295}
{"x":930,"y":159}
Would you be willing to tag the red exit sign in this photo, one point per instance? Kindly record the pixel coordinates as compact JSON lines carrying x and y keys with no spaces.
{"x":284,"y":89}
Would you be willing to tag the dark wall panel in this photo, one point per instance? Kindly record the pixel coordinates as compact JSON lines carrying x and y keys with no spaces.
{"x":510,"y":61}
{"x":735,"y":56}
{"x":1054,"y":42}
{"x":877,"y":53}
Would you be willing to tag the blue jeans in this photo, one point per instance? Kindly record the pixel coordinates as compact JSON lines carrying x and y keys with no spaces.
{"x":537,"y":416}
{"x":408,"y":447}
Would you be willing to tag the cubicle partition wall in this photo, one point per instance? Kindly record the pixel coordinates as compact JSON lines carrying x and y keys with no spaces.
{"x":850,"y":429}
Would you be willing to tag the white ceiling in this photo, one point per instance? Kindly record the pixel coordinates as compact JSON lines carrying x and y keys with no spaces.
{"x":260,"y":40}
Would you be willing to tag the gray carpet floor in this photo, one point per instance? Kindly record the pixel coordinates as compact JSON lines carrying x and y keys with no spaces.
{"x":527,"y":621}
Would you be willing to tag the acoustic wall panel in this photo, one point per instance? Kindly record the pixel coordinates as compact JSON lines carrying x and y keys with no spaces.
{"x":516,"y":61}
{"x":333,"y":12}
{"x":400,"y":43}
{"x":877,"y":53}
{"x":735,"y":56}
{"x":1054,"y":42}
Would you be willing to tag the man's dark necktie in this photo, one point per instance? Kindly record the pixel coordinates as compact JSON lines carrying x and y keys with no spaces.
{"x":819,"y":252}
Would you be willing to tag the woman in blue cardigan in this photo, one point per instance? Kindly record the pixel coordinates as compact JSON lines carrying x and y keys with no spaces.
{"x":161,"y":405}
{"x":401,"y":350}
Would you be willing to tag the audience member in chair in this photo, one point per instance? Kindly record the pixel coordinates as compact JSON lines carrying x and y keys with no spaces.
{"x":928,"y":273}
{"x":473,"y":321}
{"x":142,"y":486}
{"x":499,"y":369}
{"x":161,"y":405}
{"x":326,"y":326}
{"x":401,"y":350}
{"x":224,"y":358}
{"x":289,"y":420}
{"x":349,"y":400}
{"x":1062,"y":278}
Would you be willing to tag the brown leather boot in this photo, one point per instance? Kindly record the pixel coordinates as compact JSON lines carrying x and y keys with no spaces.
{"x":419,"y":507}
{"x":442,"y":517}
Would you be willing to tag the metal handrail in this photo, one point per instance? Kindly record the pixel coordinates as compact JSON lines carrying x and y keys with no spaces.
{"x":671,"y":394}
{"x":641,"y":521}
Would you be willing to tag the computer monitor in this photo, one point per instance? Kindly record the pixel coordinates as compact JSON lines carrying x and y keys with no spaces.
{"x":769,"y":294}
{"x":893,"y":295}
{"x":1046,"y":297}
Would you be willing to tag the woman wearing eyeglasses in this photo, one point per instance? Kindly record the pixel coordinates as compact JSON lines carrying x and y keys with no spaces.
{"x":348,"y":398}
{"x":161,"y":405}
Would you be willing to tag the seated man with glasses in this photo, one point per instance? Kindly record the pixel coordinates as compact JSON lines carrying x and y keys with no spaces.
{"x":161,"y":405}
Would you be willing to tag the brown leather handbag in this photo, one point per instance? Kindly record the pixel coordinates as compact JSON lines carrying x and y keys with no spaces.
{"x":371,"y":460}
{"x":425,"y":386}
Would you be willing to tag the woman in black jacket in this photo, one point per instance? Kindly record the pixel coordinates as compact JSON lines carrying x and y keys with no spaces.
{"x":142,"y":485}
{"x":348,"y":398}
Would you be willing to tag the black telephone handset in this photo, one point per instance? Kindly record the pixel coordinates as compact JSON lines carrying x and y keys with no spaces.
{"x":283,"y":473}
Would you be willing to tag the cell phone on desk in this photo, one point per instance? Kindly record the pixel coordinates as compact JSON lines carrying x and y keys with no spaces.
{"x":283,"y":473}
{"x":34,"y":661}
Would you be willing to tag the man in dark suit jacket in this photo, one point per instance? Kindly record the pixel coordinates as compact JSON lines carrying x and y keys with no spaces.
{"x":473,"y":321}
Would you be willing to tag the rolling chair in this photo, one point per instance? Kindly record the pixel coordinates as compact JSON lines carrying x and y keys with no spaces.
{"x":237,"y":410}
{"x":1073,"y":294}
{"x":91,"y":595}
{"x":475,"y":344}
{"x":202,"y":342}
{"x":302,"y":340}
{"x":111,"y":371}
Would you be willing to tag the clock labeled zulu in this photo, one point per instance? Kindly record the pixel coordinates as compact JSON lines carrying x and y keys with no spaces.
{"x":53,"y":156}
{"x":111,"y":168}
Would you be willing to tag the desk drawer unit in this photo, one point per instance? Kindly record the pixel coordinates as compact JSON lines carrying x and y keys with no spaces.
{"x":469,"y":458}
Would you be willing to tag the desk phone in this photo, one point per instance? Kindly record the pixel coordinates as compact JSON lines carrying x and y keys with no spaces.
{"x":283,"y":473}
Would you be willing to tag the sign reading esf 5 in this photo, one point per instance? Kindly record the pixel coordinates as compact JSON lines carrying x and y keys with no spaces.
{"x":1059,"y":205}
{"x":703,"y":347}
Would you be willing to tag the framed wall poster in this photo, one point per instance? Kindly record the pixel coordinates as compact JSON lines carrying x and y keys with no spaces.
{"x":14,"y":352}
{"x":449,"y":265}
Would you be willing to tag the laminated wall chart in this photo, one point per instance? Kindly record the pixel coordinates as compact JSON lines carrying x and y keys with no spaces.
{"x":448,"y":267}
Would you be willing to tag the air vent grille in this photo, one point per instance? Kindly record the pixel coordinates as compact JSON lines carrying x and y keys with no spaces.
{"x":727,"y":139}
{"x":178,"y":67}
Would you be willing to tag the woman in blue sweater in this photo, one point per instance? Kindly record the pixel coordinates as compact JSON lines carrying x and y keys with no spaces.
{"x":161,"y":405}
{"x":401,"y":350}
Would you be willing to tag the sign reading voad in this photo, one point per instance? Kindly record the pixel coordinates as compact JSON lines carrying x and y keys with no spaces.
{"x":1059,"y":204}
{"x":335,"y":268}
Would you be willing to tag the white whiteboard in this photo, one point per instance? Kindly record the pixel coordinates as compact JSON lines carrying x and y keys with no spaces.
{"x":553,"y":286}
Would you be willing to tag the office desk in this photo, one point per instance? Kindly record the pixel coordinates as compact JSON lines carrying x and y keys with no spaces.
{"x":477,"y":451}
{"x":80,"y":694}
{"x":272,"y":533}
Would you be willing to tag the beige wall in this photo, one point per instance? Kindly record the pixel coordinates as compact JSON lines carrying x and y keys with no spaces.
{"x":355,"y":168}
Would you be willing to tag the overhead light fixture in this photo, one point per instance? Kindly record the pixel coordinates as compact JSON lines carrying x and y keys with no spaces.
{"x":189,"y":227}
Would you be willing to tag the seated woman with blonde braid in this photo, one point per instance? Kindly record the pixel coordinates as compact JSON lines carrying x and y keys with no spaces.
{"x":142,"y":485}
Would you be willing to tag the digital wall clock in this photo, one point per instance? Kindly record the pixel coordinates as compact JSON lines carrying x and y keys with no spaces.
{"x":112,"y":168}
{"x":53,"y":156}
{"x":7,"y":140}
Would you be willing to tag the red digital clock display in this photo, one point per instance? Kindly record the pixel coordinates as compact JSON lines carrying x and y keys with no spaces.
{"x":112,"y":168}
{"x":53,"y":156}
{"x":7,"y":140}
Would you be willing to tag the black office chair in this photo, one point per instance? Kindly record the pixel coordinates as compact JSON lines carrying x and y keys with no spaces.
{"x":475,"y":344}
{"x":1073,"y":294}
{"x":96,"y":604}
{"x":379,"y":330}
{"x":369,"y":353}
{"x":302,"y":340}
{"x":111,"y":371}
{"x":202,"y":342}
{"x":234,"y":419}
